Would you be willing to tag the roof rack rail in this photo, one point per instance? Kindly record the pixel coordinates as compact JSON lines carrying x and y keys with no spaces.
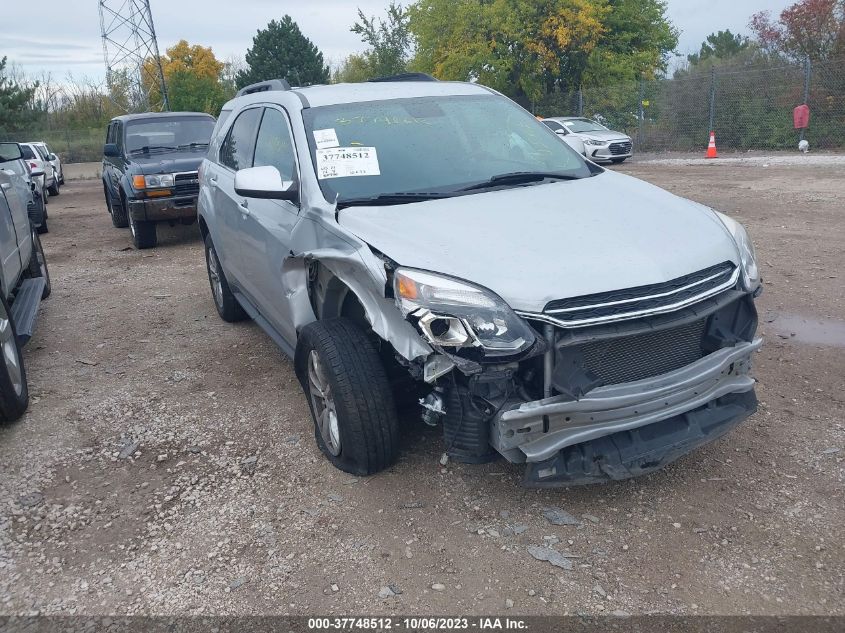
{"x":404,"y":77}
{"x":264,"y":86}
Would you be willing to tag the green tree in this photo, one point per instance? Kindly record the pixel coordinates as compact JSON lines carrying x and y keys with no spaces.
{"x":16,"y":102}
{"x":355,"y":68}
{"x":520,"y":47}
{"x":720,"y":45}
{"x":390,"y":41}
{"x":189,"y":92}
{"x":637,"y":42}
{"x":281,"y":51}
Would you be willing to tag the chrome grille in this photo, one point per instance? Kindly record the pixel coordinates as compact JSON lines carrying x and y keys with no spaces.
{"x":644,"y":355}
{"x":631,"y":303}
{"x":621,"y":148}
{"x":186,"y":184}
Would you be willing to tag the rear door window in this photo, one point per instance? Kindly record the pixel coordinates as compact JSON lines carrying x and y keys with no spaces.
{"x":239,"y":145}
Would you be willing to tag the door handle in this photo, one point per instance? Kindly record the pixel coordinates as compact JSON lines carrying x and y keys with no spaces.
{"x":242,"y":205}
{"x":213,"y":181}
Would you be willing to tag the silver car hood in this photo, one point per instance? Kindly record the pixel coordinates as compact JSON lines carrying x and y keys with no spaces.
{"x":610,"y":135}
{"x":531,"y":245}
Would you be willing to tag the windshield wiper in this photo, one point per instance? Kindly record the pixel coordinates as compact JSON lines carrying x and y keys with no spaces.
{"x":146,"y":149}
{"x":193,"y":145}
{"x":519,"y":177}
{"x":394,"y":198}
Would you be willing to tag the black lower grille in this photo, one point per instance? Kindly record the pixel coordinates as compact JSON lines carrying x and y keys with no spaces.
{"x":641,"y":356}
{"x":620,"y":148}
{"x":186,"y":184}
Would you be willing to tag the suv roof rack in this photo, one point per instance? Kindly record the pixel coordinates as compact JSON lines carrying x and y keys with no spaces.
{"x":405,"y":77}
{"x":264,"y":86}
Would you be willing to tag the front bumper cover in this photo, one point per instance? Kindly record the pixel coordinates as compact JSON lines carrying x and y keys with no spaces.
{"x":536,"y":431}
{"x":163,"y":209}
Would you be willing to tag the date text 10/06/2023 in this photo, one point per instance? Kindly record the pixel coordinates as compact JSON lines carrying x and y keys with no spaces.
{"x":416,"y":623}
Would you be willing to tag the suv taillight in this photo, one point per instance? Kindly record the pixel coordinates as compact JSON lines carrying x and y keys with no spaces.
{"x":33,"y":165}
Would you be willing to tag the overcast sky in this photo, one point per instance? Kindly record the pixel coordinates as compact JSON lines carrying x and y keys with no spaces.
{"x":63,"y":36}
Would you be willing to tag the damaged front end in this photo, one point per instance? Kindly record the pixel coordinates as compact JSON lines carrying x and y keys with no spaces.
{"x":593,"y":388}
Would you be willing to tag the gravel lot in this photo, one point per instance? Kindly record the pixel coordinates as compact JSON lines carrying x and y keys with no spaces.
{"x":226,"y":506}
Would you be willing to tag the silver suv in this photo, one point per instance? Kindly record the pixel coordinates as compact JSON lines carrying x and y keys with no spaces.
{"x":410,"y":242}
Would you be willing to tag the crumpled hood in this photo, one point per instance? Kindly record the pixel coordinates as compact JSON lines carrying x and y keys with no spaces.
{"x":533,"y":244}
{"x":604,"y":136}
{"x":168,"y":162}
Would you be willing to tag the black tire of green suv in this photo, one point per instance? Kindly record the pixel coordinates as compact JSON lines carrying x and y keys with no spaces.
{"x":355,"y":419}
{"x":144,"y":234}
{"x":117,"y":212}
{"x":227,"y":306}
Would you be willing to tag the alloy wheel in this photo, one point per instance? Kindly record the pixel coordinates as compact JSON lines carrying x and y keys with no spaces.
{"x":322,"y":402}
{"x":11,"y":358}
{"x":214,"y":276}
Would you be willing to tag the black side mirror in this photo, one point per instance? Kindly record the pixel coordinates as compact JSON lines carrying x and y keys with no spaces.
{"x":110,"y":150}
{"x":52,"y":157}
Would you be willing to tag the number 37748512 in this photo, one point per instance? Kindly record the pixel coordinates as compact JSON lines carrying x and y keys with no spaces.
{"x":343,"y":162}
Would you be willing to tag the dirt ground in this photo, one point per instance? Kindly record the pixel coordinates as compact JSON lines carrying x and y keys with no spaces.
{"x":130,"y":349}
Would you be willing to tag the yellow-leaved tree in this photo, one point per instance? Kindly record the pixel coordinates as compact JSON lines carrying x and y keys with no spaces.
{"x":192,"y":75}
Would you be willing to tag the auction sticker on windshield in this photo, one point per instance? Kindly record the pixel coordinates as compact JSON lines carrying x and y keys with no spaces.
{"x":326,"y":138}
{"x":342,"y":162}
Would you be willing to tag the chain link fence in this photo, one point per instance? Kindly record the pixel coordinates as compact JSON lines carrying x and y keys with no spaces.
{"x":749,"y":109}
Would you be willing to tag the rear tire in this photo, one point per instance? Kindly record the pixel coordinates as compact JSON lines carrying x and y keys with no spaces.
{"x":144,"y":234}
{"x":355,"y":420}
{"x":14,"y":393}
{"x":224,"y":300}
{"x":54,"y":188}
{"x":38,"y":265}
{"x":116,"y":211}
{"x":42,"y":228}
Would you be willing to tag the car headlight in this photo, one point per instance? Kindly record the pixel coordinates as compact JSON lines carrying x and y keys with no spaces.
{"x":747,"y":257}
{"x":453,"y":313}
{"x":158,"y":181}
{"x":592,"y":141}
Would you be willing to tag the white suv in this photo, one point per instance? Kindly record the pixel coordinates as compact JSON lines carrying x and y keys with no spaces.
{"x":410,"y":241}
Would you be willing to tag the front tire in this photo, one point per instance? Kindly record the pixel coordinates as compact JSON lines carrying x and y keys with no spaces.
{"x":54,"y":188}
{"x":355,"y":420}
{"x":144,"y":234}
{"x":224,"y":300}
{"x":14,"y":392}
{"x":38,"y":265}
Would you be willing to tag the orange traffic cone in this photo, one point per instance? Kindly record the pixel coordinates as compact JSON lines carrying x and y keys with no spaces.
{"x":711,"y":147}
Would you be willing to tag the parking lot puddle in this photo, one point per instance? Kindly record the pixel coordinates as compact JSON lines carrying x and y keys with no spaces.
{"x":812,"y":331}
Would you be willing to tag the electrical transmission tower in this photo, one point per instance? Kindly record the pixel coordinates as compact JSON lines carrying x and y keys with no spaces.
{"x":131,"y":53}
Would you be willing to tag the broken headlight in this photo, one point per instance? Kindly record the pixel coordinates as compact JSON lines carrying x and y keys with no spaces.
{"x":453,"y":313}
{"x":747,"y":257}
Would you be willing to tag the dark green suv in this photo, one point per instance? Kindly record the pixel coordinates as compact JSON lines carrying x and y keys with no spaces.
{"x":150,"y":164}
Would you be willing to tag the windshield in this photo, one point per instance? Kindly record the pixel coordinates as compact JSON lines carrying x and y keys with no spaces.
{"x":430,"y":144}
{"x":175,"y":133}
{"x":583,"y":125}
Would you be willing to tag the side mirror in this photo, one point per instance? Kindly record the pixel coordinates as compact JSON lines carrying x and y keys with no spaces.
{"x":560,"y":132}
{"x":52,"y":157}
{"x":36,"y":173}
{"x":265,"y":182}
{"x":110,"y":150}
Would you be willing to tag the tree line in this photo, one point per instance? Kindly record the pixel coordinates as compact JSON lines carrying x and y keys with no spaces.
{"x":530,"y":50}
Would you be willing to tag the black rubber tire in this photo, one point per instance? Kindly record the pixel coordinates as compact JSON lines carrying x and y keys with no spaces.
{"x":38,"y":265}
{"x":62,"y":179}
{"x":367,"y":419}
{"x":54,"y":189}
{"x":117,"y":212}
{"x":229,"y":309}
{"x":12,"y":404}
{"x":144,"y":234}
{"x":42,"y":228}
